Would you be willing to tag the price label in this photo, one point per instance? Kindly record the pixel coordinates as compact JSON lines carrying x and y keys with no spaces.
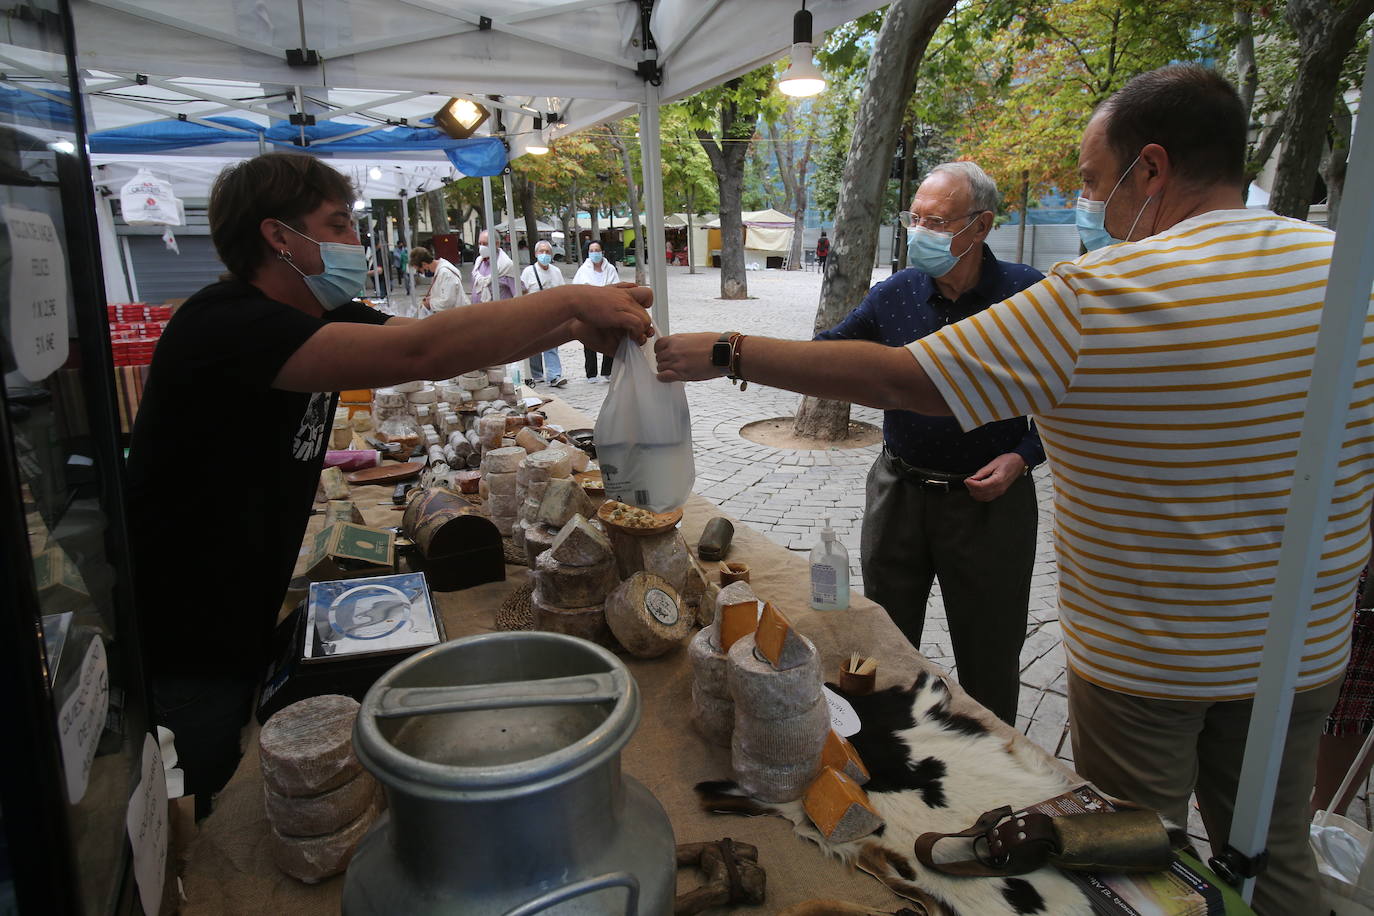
{"x":38,"y":293}
{"x":843,"y":719}
{"x":82,"y":718}
{"x":146,"y":821}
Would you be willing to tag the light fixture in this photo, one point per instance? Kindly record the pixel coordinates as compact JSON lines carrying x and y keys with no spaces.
{"x":66,"y":147}
{"x":460,"y":118}
{"x":539,"y":146}
{"x":375,"y":173}
{"x":803,"y":78}
{"x":359,"y":205}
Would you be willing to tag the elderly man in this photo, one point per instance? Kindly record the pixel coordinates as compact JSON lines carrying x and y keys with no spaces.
{"x":1167,"y":373}
{"x":283,"y":333}
{"x":446,"y":289}
{"x":539,"y":276}
{"x":486,"y":284}
{"x":942,"y":503}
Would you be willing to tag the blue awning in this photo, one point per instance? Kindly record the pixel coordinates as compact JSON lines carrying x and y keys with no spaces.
{"x":36,"y":110}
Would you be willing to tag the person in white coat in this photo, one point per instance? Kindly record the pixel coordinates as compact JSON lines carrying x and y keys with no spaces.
{"x":596,"y":271}
{"x":447,"y":290}
{"x":539,"y":276}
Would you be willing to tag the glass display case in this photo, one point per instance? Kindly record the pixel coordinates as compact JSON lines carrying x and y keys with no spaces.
{"x":72,"y":698}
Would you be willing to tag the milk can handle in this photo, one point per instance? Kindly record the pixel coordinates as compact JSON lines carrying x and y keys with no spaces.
{"x":579,"y":888}
{"x":398,"y":702}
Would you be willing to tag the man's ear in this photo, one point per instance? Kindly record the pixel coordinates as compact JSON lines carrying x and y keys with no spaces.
{"x":1156,"y":168}
{"x":274,"y":234}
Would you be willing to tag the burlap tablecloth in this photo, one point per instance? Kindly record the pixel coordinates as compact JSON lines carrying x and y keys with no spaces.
{"x":230,"y":869}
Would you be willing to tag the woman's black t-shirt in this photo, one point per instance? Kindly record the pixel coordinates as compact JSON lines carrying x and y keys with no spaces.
{"x":221,"y":477}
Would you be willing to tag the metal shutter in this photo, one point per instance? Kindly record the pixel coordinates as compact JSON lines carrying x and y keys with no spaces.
{"x":161,"y":275}
{"x":1045,"y":245}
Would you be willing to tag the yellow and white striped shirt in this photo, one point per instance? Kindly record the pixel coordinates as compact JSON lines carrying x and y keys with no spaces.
{"x":1167,"y":378}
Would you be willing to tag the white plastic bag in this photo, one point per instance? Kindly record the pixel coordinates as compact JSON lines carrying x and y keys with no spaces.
{"x":644,"y":435}
{"x":147,"y":200}
{"x":1342,"y":850}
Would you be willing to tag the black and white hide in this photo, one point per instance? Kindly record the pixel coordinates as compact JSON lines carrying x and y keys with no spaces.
{"x":932,"y":770}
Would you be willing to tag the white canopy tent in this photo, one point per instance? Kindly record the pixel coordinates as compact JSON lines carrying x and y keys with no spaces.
{"x":588,"y":61}
{"x":767,"y":233}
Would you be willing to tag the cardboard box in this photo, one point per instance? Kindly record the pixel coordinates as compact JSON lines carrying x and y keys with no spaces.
{"x":348,"y":551}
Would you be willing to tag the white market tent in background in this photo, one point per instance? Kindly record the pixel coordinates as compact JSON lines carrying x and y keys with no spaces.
{"x":587,"y":60}
{"x":767,"y":233}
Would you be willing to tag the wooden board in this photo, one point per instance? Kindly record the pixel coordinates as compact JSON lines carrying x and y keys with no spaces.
{"x":591,"y":482}
{"x":387,"y":472}
{"x":662,"y":521}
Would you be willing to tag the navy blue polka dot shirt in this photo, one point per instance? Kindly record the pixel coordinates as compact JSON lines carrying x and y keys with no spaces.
{"x":907,"y":306}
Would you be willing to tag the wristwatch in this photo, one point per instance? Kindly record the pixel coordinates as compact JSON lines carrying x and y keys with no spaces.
{"x":720,"y":350}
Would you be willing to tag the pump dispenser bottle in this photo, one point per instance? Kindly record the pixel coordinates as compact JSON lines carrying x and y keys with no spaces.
{"x":829,"y":573}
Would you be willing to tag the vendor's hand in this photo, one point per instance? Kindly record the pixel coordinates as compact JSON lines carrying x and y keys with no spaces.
{"x":995,"y":477}
{"x":620,"y":309}
{"x":687,"y":357}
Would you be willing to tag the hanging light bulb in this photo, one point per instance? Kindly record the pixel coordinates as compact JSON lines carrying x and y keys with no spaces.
{"x":539,"y":146}
{"x":803,"y":78}
{"x":375,"y":173}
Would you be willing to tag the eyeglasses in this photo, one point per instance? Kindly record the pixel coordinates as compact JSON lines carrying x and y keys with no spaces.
{"x":936,"y":223}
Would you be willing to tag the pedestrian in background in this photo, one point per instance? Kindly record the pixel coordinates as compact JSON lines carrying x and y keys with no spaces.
{"x":596,"y":271}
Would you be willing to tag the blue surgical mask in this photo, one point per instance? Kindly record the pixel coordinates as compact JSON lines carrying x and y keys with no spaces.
{"x":1090,"y":216}
{"x":596,"y":256}
{"x":545,"y":258}
{"x":929,"y":250}
{"x":345,"y":270}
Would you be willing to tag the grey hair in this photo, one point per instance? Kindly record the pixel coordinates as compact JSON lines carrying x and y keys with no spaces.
{"x":982,"y":189}
{"x":545,"y":242}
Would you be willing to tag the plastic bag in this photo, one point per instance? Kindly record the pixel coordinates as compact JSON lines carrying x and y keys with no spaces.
{"x":644,"y":435}
{"x":147,"y":200}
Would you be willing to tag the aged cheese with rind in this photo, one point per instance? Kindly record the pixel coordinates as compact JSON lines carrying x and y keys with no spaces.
{"x":500,"y":484}
{"x":778,"y":642}
{"x":583,"y":622}
{"x":333,"y":483}
{"x":502,"y":460}
{"x":579,"y":543}
{"x":563,"y":499}
{"x":710,"y":665}
{"x":317,"y":815}
{"x":770,"y":783}
{"x":783,"y":741}
{"x":507,"y":506}
{"x":530,"y":440}
{"x":312,"y":859}
{"x":841,"y":755}
{"x":538,"y":538}
{"x":573,"y":586}
{"x":713,"y":716}
{"x":647,"y":617}
{"x":764,"y":692}
{"x":664,"y":554}
{"x":307,"y":747}
{"x":553,"y":462}
{"x":839,"y":808}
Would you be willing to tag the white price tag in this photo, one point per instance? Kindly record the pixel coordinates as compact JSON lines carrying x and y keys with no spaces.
{"x":82,"y":718}
{"x":843,"y":719}
{"x":146,"y":821}
{"x":38,"y":293}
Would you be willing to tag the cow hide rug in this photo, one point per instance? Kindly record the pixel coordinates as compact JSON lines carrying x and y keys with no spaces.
{"x":932,"y":770}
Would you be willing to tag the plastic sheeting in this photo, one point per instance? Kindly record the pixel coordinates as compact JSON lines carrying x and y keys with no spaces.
{"x":772,"y":241}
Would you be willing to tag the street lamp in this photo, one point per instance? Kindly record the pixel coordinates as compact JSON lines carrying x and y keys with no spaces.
{"x":803,"y":78}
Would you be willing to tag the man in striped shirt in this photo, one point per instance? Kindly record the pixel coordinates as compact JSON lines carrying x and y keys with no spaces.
{"x":1167,"y":374}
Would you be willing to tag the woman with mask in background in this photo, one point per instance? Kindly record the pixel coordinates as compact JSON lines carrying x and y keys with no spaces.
{"x":597,"y":271}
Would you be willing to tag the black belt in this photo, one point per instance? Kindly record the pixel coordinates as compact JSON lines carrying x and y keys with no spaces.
{"x":935,"y":480}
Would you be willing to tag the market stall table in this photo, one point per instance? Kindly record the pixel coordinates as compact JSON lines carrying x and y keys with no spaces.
{"x":230,"y":868}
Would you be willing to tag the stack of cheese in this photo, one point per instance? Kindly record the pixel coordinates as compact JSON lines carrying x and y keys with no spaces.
{"x":781,"y":718}
{"x":713,"y":709}
{"x":475,"y":384}
{"x":664,"y":554}
{"x":572,"y":579}
{"x":499,"y":466}
{"x":319,"y":799}
{"x":835,"y":801}
{"x":536,"y":472}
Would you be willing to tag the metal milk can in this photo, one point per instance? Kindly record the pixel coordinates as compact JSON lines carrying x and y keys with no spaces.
{"x":500,"y":757}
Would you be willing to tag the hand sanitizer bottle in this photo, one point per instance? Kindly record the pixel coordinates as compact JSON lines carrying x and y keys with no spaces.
{"x":829,"y":573}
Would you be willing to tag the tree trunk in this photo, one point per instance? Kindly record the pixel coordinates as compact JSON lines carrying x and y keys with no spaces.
{"x":1325,"y":37}
{"x":1335,"y":161}
{"x":727,"y":160}
{"x":632,"y":195}
{"x":531,"y":225}
{"x":691,"y":250}
{"x":1025,"y":217}
{"x":1247,"y":75}
{"x":438,"y":213}
{"x":901,"y":42}
{"x":904,"y":196}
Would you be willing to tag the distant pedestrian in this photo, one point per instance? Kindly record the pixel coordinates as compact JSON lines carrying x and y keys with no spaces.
{"x":482,"y":275}
{"x":822,"y":249}
{"x":539,"y":276}
{"x":446,"y":291}
{"x":400,"y":264}
{"x":596,"y":271}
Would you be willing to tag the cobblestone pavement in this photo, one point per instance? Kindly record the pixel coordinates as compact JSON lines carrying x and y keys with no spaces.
{"x":787,"y":494}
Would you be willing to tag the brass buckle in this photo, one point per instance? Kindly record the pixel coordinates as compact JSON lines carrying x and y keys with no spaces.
{"x":939,"y":484}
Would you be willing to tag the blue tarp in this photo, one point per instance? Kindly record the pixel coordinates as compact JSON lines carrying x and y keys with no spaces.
{"x":30,"y":108}
{"x":475,"y":156}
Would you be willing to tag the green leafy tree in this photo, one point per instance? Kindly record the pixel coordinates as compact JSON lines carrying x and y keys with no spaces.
{"x":689,"y":184}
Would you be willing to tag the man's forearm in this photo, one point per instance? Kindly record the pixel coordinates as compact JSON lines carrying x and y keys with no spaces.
{"x":858,"y":371}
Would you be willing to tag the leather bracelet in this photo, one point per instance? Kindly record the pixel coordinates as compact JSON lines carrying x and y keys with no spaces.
{"x":735,"y":376}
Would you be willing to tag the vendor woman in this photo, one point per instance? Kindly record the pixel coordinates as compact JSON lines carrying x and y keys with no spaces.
{"x":231,"y":433}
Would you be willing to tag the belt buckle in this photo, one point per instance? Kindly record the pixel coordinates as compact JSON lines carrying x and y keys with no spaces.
{"x":932,"y":482}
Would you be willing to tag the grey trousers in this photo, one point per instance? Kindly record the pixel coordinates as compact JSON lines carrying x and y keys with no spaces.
{"x":1158,"y":752}
{"x":981,"y":553}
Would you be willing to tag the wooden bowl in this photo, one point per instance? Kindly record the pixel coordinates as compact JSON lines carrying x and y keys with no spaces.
{"x":659,"y":522}
{"x":590,"y":481}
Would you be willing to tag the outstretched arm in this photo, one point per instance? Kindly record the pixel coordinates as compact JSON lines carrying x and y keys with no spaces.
{"x":858,"y":371}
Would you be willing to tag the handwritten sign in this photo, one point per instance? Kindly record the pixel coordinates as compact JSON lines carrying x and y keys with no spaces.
{"x":843,"y":719}
{"x":38,"y":293}
{"x":82,"y":718}
{"x":146,"y":821}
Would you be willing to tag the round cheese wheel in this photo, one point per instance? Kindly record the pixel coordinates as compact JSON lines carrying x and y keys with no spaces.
{"x":408,"y":387}
{"x":505,"y":506}
{"x":554,"y":462}
{"x":313,"y":859}
{"x":713,"y":717}
{"x":501,"y":483}
{"x":388,"y":397}
{"x":317,"y":815}
{"x":538,"y":538}
{"x":762,"y":691}
{"x":646,"y":615}
{"x":779,"y":742}
{"x":710,"y":666}
{"x":307,"y":748}
{"x":583,"y":622}
{"x":502,"y":460}
{"x":574,"y":586}
{"x":770,"y":783}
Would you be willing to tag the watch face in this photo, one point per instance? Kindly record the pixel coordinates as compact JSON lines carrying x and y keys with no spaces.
{"x":720,"y":353}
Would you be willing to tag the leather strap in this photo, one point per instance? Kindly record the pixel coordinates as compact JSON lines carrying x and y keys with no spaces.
{"x":727,"y":853}
{"x":970,"y":868}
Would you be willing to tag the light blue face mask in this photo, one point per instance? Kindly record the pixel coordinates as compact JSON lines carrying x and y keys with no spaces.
{"x":545,"y":258}
{"x":1090,"y":216}
{"x":929,"y":250}
{"x":345,"y":270}
{"x":596,"y":256}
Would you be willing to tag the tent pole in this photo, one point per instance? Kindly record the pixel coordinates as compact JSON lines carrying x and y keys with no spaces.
{"x":510,"y":221}
{"x":490,"y":213}
{"x":1323,"y":431}
{"x":651,"y":160}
